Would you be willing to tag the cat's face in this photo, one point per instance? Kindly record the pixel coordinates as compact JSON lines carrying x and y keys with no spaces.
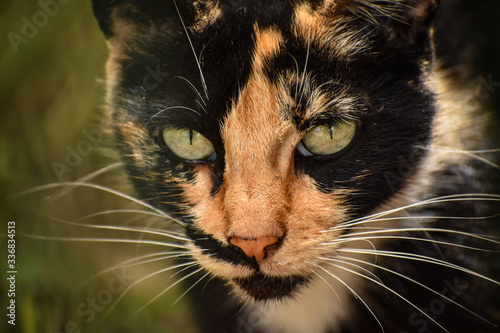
{"x":263,"y":128}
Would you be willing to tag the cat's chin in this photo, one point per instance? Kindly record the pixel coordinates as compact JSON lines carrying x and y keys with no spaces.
{"x":261,"y":287}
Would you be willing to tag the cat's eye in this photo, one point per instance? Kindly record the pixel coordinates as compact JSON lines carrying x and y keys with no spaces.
{"x":188,"y":144}
{"x":328,"y":139}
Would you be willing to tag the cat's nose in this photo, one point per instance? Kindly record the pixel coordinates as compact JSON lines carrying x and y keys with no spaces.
{"x":256,"y":247}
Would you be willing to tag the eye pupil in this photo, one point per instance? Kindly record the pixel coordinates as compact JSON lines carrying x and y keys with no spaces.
{"x":190,"y":137}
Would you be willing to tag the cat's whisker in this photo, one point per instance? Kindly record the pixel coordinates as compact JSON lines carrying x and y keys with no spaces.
{"x":170,"y":287}
{"x":469,"y":153}
{"x":106,"y":240}
{"x":185,"y":265}
{"x":148,"y":258}
{"x":192,"y":286}
{"x":105,"y":189}
{"x":175,"y":107}
{"x":202,"y":77}
{"x":361,"y":234}
{"x":385,"y":13}
{"x":417,"y":257}
{"x":343,"y":258}
{"x":356,"y":295}
{"x":140,"y":230}
{"x":196,"y":91}
{"x":326,"y":282}
{"x":368,"y":272}
{"x":424,"y":219}
{"x":442,"y":199}
{"x":119,"y":211}
{"x":304,"y":71}
{"x":366,"y":238}
{"x":393,"y":292}
{"x":84,"y":180}
{"x":297,"y":78}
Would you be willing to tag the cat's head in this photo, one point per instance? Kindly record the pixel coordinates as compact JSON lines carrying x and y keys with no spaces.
{"x":265,"y":125}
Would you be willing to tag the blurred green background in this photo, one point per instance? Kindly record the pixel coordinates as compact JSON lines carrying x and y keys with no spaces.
{"x":52,"y":92}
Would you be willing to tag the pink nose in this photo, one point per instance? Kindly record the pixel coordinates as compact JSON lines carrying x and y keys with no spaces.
{"x":254,"y":247}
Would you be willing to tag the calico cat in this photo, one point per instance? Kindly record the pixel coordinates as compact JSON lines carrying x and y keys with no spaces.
{"x":323,"y":167}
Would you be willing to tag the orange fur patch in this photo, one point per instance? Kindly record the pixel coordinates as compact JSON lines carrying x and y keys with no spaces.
{"x":326,"y":28}
{"x":261,"y":195}
{"x":267,"y":44}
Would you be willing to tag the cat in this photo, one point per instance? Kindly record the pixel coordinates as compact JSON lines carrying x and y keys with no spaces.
{"x":325,"y":169}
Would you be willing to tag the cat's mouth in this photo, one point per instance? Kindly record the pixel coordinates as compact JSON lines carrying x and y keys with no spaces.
{"x":258,"y":285}
{"x":263,"y":287}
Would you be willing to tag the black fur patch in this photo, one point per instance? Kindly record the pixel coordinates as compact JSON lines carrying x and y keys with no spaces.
{"x":262,"y":287}
{"x":228,"y":253}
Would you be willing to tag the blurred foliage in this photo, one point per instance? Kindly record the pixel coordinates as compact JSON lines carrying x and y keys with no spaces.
{"x":52,"y":92}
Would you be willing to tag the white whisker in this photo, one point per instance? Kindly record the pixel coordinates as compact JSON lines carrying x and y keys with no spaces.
{"x":347,"y":240}
{"x":140,"y":230}
{"x":368,"y":272}
{"x":442,"y":199}
{"x":417,"y":257}
{"x":105,"y":189}
{"x":418,"y":284}
{"x":327,"y":283}
{"x":195,"y":90}
{"x":106,"y":240}
{"x":139,"y":261}
{"x":202,"y":77}
{"x":194,"y":284}
{"x":304,"y":71}
{"x":168,"y":288}
{"x":393,"y":292}
{"x":179,"y":107}
{"x":130,"y":286}
{"x":354,"y":293}
{"x":469,"y":153}
{"x":84,"y":180}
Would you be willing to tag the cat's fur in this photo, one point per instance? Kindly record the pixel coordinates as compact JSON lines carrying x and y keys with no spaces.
{"x":254,"y":77}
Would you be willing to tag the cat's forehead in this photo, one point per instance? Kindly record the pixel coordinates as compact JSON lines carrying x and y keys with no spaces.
{"x":191,"y":61}
{"x":215,"y":48}
{"x":320,"y":22}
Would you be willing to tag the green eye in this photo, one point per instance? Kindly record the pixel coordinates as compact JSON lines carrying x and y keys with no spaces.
{"x":188,"y":144}
{"x":327,"y":139}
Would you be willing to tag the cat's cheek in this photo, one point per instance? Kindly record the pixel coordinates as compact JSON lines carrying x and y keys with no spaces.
{"x":205,"y":207}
